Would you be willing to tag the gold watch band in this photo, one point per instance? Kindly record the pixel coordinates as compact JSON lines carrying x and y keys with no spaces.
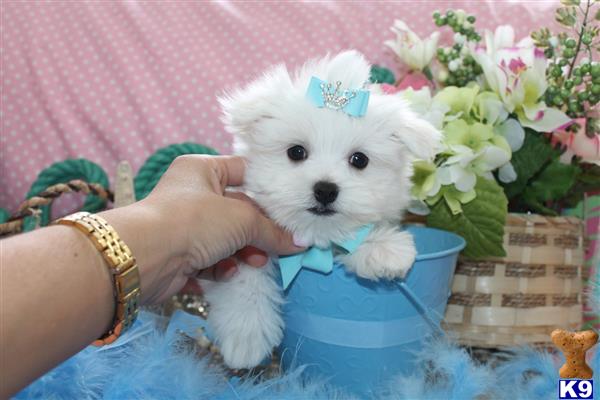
{"x":122,"y":265}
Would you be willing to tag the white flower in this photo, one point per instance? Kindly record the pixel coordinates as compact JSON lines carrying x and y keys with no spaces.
{"x":514,"y":134}
{"x":504,"y":37}
{"x":462,"y":168}
{"x":507,"y":173}
{"x":489,"y":108}
{"x":553,"y":41}
{"x":491,"y":158}
{"x":518,"y":75}
{"x":424,"y":105}
{"x":458,"y":174}
{"x":412,"y":50}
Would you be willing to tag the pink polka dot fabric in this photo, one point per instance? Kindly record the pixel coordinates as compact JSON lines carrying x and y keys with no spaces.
{"x":112,"y":81}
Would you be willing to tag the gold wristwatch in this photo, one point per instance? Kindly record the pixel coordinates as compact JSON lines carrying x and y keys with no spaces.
{"x":122,"y":266}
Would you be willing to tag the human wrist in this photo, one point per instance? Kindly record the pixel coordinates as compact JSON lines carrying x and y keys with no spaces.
{"x":153,"y":240}
{"x":97,"y":279}
{"x":123,"y":266}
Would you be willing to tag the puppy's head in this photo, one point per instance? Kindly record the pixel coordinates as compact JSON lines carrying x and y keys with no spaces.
{"x":319,"y":172}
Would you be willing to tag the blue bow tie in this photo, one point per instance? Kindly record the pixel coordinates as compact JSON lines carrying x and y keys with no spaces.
{"x":318,"y":259}
{"x":323,"y":94}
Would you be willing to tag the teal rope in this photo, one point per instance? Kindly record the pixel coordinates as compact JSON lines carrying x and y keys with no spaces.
{"x":381,"y":75}
{"x":158,"y":163}
{"x":62,"y":172}
{"x":4,"y":215}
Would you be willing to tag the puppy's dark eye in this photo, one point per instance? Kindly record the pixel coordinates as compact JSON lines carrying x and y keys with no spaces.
{"x":297,"y":153}
{"x":359,"y":160}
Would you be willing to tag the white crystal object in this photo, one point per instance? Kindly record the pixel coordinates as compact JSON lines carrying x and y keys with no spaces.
{"x":334,"y":98}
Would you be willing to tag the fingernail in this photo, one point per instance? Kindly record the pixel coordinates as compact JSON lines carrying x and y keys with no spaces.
{"x":230,"y":273}
{"x":300,"y":241}
{"x":256,"y":260}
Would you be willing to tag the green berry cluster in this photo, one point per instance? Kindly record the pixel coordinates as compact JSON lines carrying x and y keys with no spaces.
{"x":574,"y":91}
{"x":573,"y":78}
{"x":461,"y":66}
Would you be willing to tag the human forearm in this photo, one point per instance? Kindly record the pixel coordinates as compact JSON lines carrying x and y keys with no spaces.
{"x":56,"y":297}
{"x":57,"y":291}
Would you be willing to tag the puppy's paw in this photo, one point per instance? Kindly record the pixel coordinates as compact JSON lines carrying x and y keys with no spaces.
{"x":244,"y":315}
{"x":387,"y":253}
{"x":244,"y":336}
{"x":247,"y":348}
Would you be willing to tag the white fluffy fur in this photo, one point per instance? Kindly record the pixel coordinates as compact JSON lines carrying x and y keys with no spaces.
{"x":269,"y":116}
{"x":387,"y":253}
{"x":244,"y":314}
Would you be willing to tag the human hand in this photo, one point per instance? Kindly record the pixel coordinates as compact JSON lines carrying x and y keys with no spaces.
{"x":193,"y":228}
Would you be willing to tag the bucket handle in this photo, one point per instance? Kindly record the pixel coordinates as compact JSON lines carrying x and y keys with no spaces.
{"x":420,"y":307}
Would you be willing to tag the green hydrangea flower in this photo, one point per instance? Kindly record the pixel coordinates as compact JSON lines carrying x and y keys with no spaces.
{"x":488,"y":108}
{"x":425,"y":182}
{"x":453,"y":197}
{"x":475,"y":136}
{"x":460,"y":100}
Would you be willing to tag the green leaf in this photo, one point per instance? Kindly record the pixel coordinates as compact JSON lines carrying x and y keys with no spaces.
{"x":531,"y":158}
{"x":534,"y":205}
{"x":481,"y":223}
{"x":427,"y":72}
{"x":569,"y":2}
{"x":597,"y":16}
{"x":590,"y":177}
{"x":553,"y":183}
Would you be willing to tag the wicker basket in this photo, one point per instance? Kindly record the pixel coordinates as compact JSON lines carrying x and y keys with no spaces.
{"x":521,"y":298}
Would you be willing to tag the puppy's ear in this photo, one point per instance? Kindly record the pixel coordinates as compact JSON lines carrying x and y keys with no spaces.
{"x":421,"y":138}
{"x":245,"y":107}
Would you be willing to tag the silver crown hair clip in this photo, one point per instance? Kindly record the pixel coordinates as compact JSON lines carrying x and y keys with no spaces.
{"x":353,"y":102}
{"x":332,"y":97}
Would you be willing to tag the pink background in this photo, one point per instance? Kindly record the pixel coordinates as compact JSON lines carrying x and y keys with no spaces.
{"x":117,"y":80}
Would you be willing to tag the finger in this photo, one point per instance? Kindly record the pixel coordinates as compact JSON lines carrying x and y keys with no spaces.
{"x":216,"y":171}
{"x":217,"y":274}
{"x":245,"y":198}
{"x":191,"y":287}
{"x":221,"y":271}
{"x":271,"y":238}
{"x":230,"y":170}
{"x":263,"y":232}
{"x":252,"y":256}
{"x":238,"y":196}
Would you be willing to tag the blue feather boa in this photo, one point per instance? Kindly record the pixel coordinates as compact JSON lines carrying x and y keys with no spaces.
{"x":151,"y":363}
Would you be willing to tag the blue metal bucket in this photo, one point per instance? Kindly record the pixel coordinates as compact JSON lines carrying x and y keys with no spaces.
{"x":357,"y":333}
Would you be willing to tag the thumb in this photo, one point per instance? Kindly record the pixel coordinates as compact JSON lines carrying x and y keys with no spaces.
{"x":273,"y":239}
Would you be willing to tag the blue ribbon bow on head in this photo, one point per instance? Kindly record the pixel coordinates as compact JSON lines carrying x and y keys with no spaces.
{"x":352,"y":102}
{"x":317,"y":258}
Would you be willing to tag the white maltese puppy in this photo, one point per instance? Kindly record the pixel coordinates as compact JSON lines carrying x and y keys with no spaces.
{"x":325,"y":162}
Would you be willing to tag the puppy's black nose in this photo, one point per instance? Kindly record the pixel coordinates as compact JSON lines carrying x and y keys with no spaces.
{"x":326,"y":192}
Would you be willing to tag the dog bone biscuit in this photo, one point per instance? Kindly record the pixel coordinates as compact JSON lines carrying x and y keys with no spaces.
{"x":574,"y":345}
